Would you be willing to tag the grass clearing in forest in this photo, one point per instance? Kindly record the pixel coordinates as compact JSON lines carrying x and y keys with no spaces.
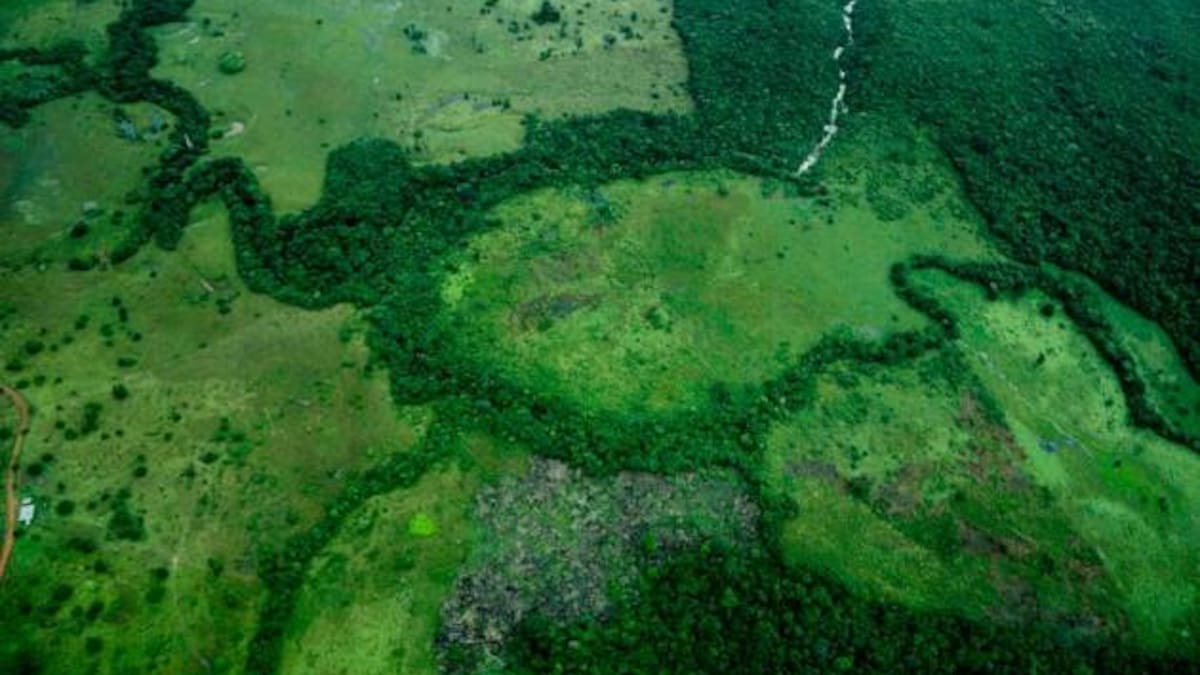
{"x":908,"y":487}
{"x":1130,"y":495}
{"x":42,"y":23}
{"x":450,"y":80}
{"x":645,"y":294}
{"x":182,"y":428}
{"x":907,"y":490}
{"x":1170,"y":387}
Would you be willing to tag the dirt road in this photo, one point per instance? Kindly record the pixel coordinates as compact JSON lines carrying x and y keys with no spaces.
{"x":11,"y":505}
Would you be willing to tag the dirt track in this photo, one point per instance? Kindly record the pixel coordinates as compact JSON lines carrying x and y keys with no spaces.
{"x":11,"y":505}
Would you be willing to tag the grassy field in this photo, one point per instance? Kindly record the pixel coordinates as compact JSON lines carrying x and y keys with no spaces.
{"x":908,"y":490}
{"x":644,"y":294}
{"x":41,"y":23}
{"x":1060,"y":509}
{"x":910,"y":487}
{"x":189,"y":435}
{"x":182,"y":429}
{"x":1130,"y":495}
{"x":64,"y":178}
{"x":1170,"y":387}
{"x":450,"y":80}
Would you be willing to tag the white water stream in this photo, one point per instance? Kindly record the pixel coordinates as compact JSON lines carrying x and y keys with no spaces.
{"x":839,"y":99}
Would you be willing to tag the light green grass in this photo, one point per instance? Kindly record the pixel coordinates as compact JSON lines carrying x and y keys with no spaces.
{"x":904,"y":492}
{"x":302,"y":412}
{"x":1171,"y":388}
{"x":1131,"y":495}
{"x":359,"y":74}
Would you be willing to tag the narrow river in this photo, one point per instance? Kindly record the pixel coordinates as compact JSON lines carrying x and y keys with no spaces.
{"x":838,"y":106}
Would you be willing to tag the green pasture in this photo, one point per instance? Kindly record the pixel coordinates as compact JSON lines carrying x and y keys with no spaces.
{"x":372,"y":597}
{"x":909,"y":487}
{"x":224,"y":423}
{"x":42,"y":23}
{"x":1129,"y":494}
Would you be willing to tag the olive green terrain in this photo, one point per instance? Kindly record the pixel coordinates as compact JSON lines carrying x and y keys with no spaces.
{"x":502,"y":336}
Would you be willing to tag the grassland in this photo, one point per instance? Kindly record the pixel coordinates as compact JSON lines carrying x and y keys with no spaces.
{"x":42,"y":22}
{"x":373,"y":596}
{"x":65,"y":177}
{"x":1005,"y":483}
{"x":1129,"y":494}
{"x":224,"y":422}
{"x":1170,"y":387}
{"x":185,"y":429}
{"x":451,"y":80}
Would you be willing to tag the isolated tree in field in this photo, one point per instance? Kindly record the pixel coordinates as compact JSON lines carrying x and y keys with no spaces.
{"x":546,"y":14}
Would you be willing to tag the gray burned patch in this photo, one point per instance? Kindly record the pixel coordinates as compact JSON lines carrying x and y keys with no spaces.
{"x":561,"y":545}
{"x":540,"y":313}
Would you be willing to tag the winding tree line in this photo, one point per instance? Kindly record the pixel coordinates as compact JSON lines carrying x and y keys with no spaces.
{"x":380,"y":233}
{"x":123,"y":76}
{"x":1078,"y":303}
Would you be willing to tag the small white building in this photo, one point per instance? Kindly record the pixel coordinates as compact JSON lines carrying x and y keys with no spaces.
{"x":28,"y":510}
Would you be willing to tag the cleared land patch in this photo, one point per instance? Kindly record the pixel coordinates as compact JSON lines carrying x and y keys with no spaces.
{"x":559,"y":546}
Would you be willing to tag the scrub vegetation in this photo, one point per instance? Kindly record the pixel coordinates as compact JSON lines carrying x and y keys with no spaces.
{"x":502,"y":336}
